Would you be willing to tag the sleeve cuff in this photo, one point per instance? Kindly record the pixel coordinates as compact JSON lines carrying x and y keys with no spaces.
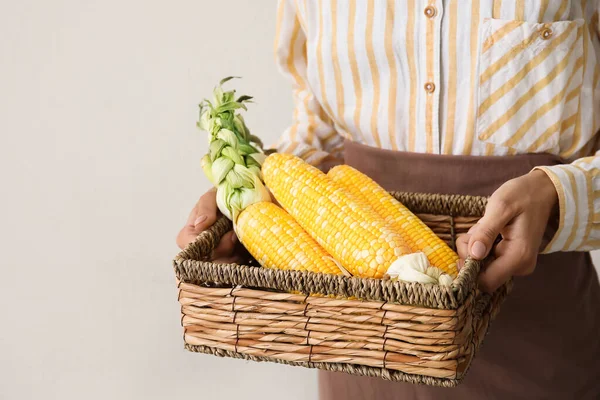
{"x":575,"y":210}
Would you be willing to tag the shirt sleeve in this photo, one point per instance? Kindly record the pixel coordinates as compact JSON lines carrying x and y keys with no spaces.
{"x":311,"y":135}
{"x":578,"y":188}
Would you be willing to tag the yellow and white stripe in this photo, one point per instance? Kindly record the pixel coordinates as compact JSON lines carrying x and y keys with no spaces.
{"x":463,"y":77}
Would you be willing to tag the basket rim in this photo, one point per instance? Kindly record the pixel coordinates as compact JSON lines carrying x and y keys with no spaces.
{"x":191,"y":265}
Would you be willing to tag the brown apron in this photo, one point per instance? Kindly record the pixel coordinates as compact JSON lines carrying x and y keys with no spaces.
{"x":545,"y":342}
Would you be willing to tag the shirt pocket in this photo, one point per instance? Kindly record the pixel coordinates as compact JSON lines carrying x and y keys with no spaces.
{"x":530,"y":77}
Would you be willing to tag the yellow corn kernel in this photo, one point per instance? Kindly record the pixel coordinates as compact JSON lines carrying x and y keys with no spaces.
{"x":417,"y":235}
{"x":349,"y":230}
{"x":276,"y":240}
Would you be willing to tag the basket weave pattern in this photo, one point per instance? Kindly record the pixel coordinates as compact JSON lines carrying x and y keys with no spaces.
{"x":394,"y":330}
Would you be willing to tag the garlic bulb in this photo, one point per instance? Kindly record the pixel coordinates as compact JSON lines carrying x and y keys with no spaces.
{"x":415,"y":267}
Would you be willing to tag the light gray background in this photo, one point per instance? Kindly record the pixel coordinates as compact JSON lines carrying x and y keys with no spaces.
{"x":99,"y":165}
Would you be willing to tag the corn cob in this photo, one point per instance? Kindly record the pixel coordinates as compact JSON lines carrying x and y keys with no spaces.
{"x":417,"y":235}
{"x":233,"y":165}
{"x":349,"y":230}
{"x":276,"y":240}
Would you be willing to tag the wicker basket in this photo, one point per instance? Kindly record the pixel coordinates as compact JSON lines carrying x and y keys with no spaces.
{"x":398,"y":331}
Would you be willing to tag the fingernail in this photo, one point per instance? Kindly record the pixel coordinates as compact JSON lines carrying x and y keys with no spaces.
{"x":200,"y":220}
{"x":478,"y":250}
{"x":234,"y":238}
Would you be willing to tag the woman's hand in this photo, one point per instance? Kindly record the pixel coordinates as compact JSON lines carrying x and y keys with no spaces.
{"x":519,"y":211}
{"x":202,"y":217}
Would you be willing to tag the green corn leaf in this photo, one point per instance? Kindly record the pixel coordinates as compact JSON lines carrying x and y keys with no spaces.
{"x":234,"y":179}
{"x":244,"y":98}
{"x":239,"y":126}
{"x":258,"y":157}
{"x":204,"y":122}
{"x":230,"y":107}
{"x":223,"y":193}
{"x":248,"y":176}
{"x":228,"y":137}
{"x":218,"y":96}
{"x":220,"y":168}
{"x":232,"y":154}
{"x":206,"y":164}
{"x":245,"y":149}
{"x":256,"y":140}
{"x":256,"y":171}
{"x":227,"y":79}
{"x":216,"y":146}
{"x":229,"y":96}
{"x":251,"y":162}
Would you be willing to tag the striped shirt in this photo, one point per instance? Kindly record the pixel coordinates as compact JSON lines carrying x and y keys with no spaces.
{"x":462,"y":77}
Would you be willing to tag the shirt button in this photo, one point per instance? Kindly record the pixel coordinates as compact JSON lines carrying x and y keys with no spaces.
{"x":546,"y":33}
{"x":430,"y":11}
{"x":430,"y":87}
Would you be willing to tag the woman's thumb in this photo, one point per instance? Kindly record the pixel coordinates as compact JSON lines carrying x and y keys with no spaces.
{"x":485,"y":232}
{"x":204,"y":214}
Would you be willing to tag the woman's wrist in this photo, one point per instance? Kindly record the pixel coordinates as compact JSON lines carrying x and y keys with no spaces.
{"x":545,"y":193}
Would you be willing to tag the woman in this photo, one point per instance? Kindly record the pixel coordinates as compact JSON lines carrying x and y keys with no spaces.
{"x":479,"y":97}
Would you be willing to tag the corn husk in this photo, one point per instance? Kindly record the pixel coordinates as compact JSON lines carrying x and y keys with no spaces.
{"x":233,"y":163}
